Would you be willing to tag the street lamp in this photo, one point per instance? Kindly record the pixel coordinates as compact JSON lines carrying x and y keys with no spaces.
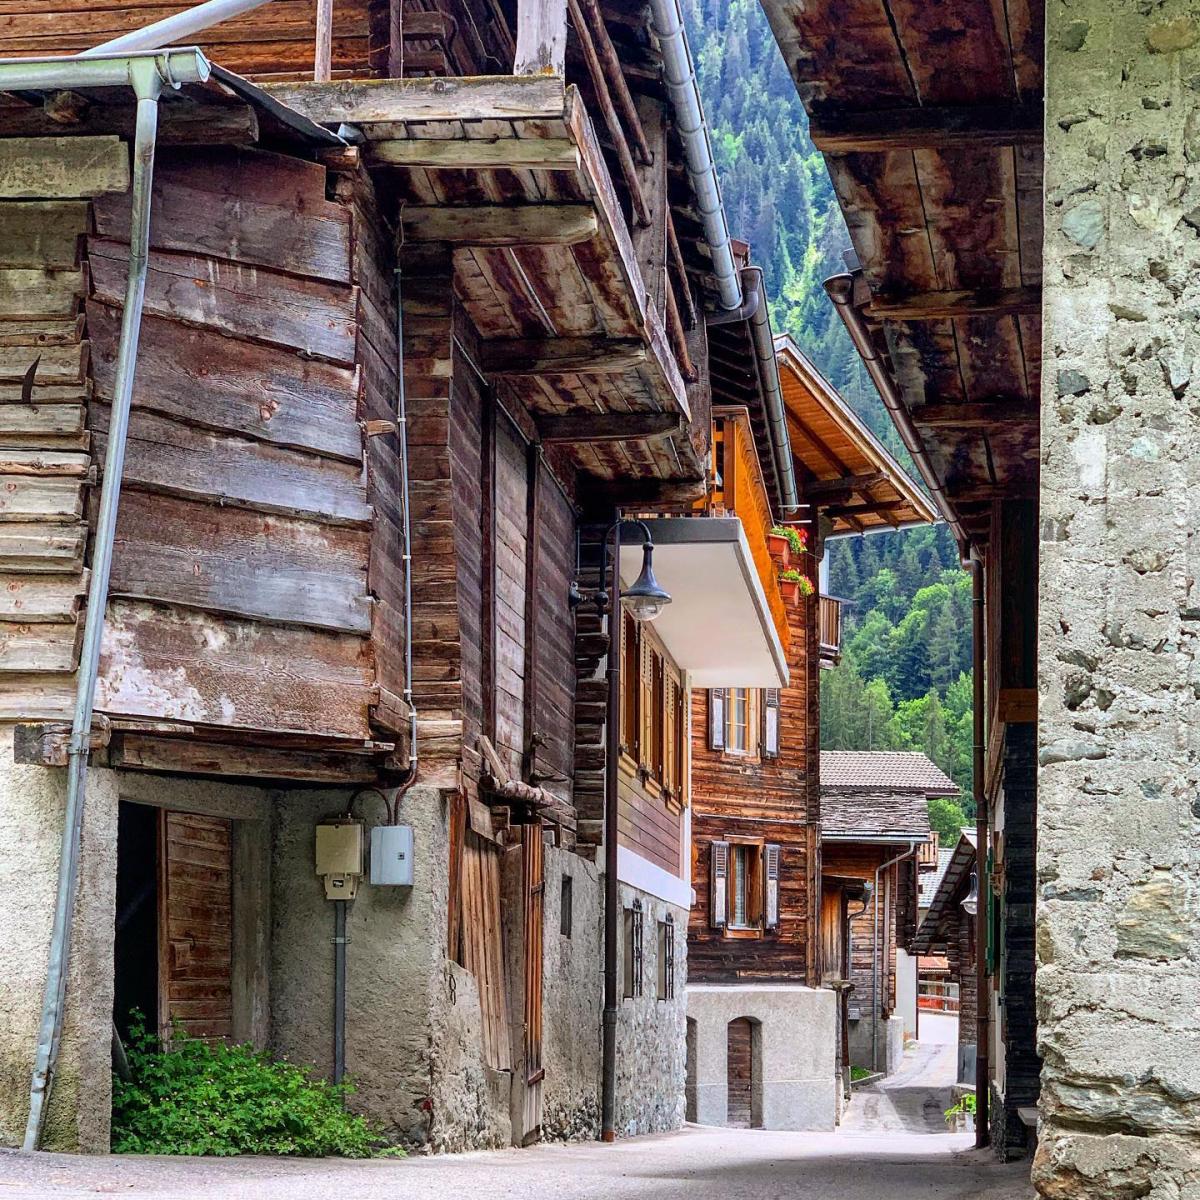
{"x":970,"y":902}
{"x":646,"y":598}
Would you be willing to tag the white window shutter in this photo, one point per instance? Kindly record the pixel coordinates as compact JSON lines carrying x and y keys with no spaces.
{"x":771,"y":886}
{"x":716,"y":718}
{"x":718,"y":883}
{"x":770,"y":723}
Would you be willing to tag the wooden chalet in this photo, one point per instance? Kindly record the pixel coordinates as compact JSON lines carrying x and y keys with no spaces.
{"x":754,"y":933}
{"x":427,"y":309}
{"x":874,"y":823}
{"x":931,"y":122}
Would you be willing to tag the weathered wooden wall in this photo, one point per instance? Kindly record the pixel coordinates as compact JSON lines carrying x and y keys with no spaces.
{"x":773,"y":798}
{"x":275,"y":42}
{"x":239,"y":589}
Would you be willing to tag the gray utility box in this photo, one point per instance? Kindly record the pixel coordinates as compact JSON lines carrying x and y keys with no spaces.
{"x":392,"y":855}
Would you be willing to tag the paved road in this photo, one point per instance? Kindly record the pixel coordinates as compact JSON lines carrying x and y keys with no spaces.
{"x":869,"y":1159}
{"x":915,"y":1098}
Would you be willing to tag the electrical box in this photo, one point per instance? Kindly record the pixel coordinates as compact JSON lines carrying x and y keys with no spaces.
{"x":392,"y":855}
{"x":340,"y":857}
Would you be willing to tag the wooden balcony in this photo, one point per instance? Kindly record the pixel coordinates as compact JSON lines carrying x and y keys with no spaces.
{"x":830,"y":619}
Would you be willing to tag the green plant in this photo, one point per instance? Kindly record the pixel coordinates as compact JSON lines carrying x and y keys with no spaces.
{"x":966,"y":1104}
{"x":791,"y":575}
{"x":795,"y":539}
{"x":857,"y":1073}
{"x":806,"y":587}
{"x":197,"y":1097}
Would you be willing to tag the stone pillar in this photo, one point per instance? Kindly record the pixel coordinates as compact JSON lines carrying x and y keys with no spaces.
{"x":32,"y":804}
{"x":1117,"y":929}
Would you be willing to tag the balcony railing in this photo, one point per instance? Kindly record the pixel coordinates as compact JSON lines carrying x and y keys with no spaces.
{"x":830,"y":619}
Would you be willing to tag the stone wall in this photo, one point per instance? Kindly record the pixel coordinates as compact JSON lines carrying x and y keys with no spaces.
{"x":1117,"y":924}
{"x":797,"y":1030}
{"x":651,"y":1054}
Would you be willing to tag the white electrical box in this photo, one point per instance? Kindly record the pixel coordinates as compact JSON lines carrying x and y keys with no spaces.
{"x":340,"y":857}
{"x":392,"y":855}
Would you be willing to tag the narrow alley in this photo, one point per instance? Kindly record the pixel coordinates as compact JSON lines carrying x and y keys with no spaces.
{"x":892,"y":1144}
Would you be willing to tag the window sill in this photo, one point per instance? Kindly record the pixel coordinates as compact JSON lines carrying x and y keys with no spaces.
{"x":742,"y":931}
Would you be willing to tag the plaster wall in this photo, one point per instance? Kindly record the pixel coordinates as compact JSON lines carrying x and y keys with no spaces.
{"x":906,"y":992}
{"x":884,"y":1052}
{"x":797,"y":1033}
{"x":1118,"y":921}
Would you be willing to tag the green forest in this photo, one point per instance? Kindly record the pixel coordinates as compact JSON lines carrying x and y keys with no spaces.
{"x":904,"y":681}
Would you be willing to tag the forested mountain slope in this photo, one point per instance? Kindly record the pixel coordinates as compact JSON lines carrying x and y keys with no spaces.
{"x":905,"y":677}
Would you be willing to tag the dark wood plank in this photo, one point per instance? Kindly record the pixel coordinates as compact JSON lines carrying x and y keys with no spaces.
{"x":924,"y":128}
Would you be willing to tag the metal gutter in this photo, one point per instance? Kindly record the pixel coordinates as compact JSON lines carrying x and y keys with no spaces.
{"x":175,"y":28}
{"x":982,"y":816}
{"x":840,"y":289}
{"x":146,"y":74}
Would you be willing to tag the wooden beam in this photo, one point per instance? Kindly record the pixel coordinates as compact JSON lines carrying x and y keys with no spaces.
{"x":993,"y":413}
{"x":182,"y":121}
{"x":323,"y":46}
{"x":928,"y":128}
{"x":469,"y":98}
{"x":820,"y":488}
{"x":62,"y":167}
{"x":552,"y":356}
{"x":940,"y":306}
{"x":616,"y":79}
{"x":524,"y":225}
{"x":637,"y":197}
{"x":541,"y":37}
{"x":524,"y":153}
{"x":865,"y":509}
{"x":607,"y":427}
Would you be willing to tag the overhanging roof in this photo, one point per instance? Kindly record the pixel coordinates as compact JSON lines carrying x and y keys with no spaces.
{"x":933,"y":934}
{"x":718,"y":626}
{"x":863,"y":487}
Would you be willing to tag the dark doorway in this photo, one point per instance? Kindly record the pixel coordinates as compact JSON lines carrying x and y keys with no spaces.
{"x":136,"y":951}
{"x":741,"y":1073}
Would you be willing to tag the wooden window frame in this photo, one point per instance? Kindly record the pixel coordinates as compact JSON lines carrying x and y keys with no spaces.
{"x":754,"y":888}
{"x":753,"y":722}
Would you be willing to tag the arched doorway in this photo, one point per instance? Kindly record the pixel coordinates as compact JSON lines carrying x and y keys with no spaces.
{"x":744,"y":1104}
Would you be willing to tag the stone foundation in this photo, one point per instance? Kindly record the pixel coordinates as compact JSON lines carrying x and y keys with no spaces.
{"x":797,"y":1031}
{"x":1118,"y":922}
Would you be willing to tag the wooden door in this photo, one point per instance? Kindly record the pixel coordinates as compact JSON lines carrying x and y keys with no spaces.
{"x":483,"y":944}
{"x":741,"y":1073}
{"x":533,"y":850}
{"x":195,"y":925}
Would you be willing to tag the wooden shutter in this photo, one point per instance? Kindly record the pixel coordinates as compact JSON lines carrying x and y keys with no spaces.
{"x":718,"y":883}
{"x":670,"y":734}
{"x":630,"y":686}
{"x":770,"y":723}
{"x":771,"y":886}
{"x":646,"y":705}
{"x":717,"y":699}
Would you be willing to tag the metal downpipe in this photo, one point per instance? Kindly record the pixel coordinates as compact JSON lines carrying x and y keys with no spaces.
{"x":680,"y":77}
{"x":175,"y":28}
{"x":840,"y":289}
{"x":406,"y":534}
{"x":979,"y":790}
{"x":147,"y":85}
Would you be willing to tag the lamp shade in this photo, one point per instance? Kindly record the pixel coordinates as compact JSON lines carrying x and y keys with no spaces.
{"x":645,"y":598}
{"x":970,"y":901}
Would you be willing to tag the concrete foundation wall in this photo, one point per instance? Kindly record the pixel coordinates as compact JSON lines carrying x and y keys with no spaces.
{"x":651,"y":1052}
{"x":797,"y":1040}
{"x":906,"y":992}
{"x":1118,"y":923}
{"x":886,"y":1051}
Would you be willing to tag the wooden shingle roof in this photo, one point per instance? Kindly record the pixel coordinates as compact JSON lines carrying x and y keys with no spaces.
{"x":884,"y":770}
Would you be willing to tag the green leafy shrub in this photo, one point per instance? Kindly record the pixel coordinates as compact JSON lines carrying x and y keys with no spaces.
{"x":200,"y":1097}
{"x":966,"y":1104}
{"x":857,"y":1073}
{"x":791,"y":575}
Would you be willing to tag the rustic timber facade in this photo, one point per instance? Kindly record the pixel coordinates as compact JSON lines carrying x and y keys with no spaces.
{"x":762,"y":1027}
{"x":413,"y":339}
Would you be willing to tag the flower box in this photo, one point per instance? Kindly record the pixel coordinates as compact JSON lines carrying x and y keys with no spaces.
{"x":781,"y":552}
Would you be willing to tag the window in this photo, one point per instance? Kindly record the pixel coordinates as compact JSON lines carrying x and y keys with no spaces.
{"x":653,"y":710}
{"x":565,"y":905}
{"x":744,"y":876}
{"x":742,"y":722}
{"x":633,"y":950}
{"x":666,"y":959}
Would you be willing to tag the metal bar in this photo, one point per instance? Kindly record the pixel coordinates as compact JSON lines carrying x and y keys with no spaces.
{"x":339,"y":990}
{"x":979,"y":790}
{"x":680,"y":78}
{"x":175,"y":28}
{"x":147,"y":84}
{"x":174,"y":67}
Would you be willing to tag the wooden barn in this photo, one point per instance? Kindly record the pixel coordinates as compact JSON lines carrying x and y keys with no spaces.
{"x":332,"y":357}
